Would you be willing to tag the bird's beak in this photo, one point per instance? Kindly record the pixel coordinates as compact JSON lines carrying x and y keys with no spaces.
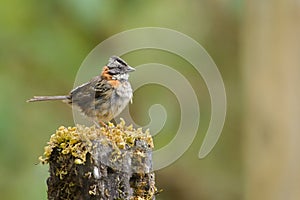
{"x":129,"y":69}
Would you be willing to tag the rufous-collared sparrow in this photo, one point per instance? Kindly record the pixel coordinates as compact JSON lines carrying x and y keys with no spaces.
{"x":104,"y":96}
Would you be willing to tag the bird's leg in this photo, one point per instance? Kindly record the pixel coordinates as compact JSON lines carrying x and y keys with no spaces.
{"x":96,"y":124}
{"x":103,"y":124}
{"x":100,"y":124}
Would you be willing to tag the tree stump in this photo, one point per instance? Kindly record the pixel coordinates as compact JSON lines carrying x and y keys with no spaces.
{"x":87,"y":163}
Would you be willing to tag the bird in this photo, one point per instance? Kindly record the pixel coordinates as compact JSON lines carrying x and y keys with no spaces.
{"x":104,"y":96}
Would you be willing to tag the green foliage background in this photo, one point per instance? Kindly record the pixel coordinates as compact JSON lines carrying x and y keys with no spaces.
{"x":42,"y":46}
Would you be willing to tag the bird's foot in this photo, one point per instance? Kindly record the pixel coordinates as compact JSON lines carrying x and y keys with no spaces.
{"x":100,"y":124}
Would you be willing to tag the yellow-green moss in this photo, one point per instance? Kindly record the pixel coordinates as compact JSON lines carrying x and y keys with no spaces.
{"x":78,"y":141}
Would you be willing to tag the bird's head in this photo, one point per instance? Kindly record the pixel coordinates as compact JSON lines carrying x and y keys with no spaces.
{"x":118,"y":67}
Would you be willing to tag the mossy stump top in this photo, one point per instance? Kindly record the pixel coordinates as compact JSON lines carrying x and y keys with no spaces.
{"x":113,"y":162}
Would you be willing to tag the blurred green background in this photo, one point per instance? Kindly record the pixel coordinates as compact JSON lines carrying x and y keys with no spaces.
{"x":43,"y":44}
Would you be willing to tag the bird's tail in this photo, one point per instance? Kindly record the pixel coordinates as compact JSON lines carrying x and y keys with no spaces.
{"x":47,"y":98}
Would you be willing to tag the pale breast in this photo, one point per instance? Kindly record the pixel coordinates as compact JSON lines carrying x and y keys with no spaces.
{"x":121,"y":97}
{"x":107,"y":109}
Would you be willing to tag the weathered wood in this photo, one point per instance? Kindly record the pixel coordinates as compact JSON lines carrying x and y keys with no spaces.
{"x":87,"y":163}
